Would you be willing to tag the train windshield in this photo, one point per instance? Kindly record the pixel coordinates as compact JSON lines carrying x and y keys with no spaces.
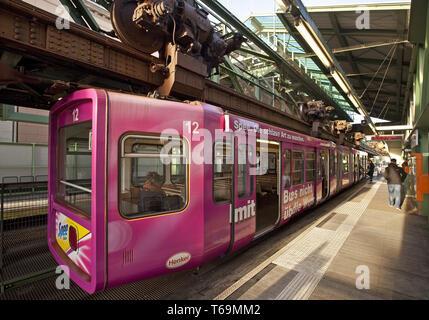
{"x":74,"y":166}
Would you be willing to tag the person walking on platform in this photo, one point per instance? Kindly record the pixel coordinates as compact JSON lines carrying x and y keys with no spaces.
{"x":405,"y":167}
{"x":371,"y":168}
{"x":395,"y":176}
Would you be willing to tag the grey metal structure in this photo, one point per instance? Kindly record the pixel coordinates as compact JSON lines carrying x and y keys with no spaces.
{"x":375,"y":59}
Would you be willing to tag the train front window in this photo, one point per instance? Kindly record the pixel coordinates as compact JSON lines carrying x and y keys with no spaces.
{"x":75,"y":166}
{"x":153,"y":175}
{"x":345,"y":163}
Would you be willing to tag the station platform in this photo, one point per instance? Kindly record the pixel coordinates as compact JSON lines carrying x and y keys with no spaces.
{"x":362,"y":236}
{"x":352,"y":247}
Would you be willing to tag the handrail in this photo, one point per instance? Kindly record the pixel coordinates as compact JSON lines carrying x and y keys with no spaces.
{"x":76,"y":186}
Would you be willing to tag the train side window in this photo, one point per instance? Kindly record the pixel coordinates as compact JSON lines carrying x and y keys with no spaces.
{"x":287,"y":169}
{"x":242,"y":171}
{"x":345,"y":163}
{"x":222,"y":171}
{"x":332,"y":165}
{"x":310,"y":166}
{"x":153,"y":175}
{"x":298,"y":167}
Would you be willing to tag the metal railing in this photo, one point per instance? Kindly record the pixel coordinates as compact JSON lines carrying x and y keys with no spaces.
{"x":24,"y":252}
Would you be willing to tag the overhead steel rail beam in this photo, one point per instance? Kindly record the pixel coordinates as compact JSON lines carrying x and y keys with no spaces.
{"x":31,"y":32}
{"x":287,"y":67}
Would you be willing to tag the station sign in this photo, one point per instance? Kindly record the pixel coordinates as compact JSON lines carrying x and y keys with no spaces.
{"x":396,"y":137}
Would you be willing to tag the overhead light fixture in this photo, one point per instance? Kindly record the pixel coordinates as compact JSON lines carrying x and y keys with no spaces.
{"x":354,"y":101}
{"x":357,"y":105}
{"x":340,"y":81}
{"x":305,"y":33}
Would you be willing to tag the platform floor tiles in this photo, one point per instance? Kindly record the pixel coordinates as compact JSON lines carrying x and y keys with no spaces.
{"x":363,"y":249}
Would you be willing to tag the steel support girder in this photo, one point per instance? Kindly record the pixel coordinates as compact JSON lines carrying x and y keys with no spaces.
{"x":362,"y":46}
{"x":364,"y":32}
{"x":235,"y":72}
{"x":9,"y":114}
{"x":371,"y":61}
{"x":402,"y":20}
{"x":297,"y":36}
{"x":298,"y":9}
{"x":286,"y":67}
{"x":81,"y":14}
{"x":232,"y":75}
{"x":344,"y":43}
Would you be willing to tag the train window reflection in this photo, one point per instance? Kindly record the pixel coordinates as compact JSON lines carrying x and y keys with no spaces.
{"x":222,"y":171}
{"x":153,"y":172}
{"x":310,"y":166}
{"x":298,"y":167}
{"x":74,"y":167}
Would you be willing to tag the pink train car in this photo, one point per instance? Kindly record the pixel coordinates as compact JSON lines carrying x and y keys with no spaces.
{"x":140,"y":187}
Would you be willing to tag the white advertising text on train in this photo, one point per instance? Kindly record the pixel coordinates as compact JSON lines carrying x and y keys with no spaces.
{"x":239,"y":125}
{"x":245,"y":212}
{"x":297,"y":200}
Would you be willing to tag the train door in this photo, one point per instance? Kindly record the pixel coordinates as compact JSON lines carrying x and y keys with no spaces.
{"x":268,"y":187}
{"x":323,"y":179}
{"x":243,"y":213}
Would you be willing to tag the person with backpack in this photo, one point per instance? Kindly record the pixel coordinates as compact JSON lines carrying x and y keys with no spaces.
{"x":395,"y":176}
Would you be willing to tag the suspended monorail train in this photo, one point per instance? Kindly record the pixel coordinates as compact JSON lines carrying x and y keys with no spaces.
{"x":221,"y":181}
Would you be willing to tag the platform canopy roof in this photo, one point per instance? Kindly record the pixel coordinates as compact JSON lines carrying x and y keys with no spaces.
{"x":370,"y":45}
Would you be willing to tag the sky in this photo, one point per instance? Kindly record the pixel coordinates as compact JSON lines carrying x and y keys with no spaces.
{"x":243,"y":8}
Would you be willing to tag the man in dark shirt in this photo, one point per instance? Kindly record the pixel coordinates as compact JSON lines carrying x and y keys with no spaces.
{"x":151,"y":197}
{"x":371,"y":167}
{"x":395,"y":176}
